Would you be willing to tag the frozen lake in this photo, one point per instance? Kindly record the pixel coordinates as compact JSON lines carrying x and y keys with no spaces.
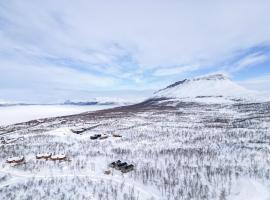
{"x":16,"y":114}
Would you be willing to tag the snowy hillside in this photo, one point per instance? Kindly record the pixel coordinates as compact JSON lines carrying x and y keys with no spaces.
{"x":217,"y":85}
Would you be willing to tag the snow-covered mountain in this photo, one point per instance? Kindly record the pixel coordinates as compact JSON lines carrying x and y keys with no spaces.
{"x":216,"y":85}
{"x":101,"y":101}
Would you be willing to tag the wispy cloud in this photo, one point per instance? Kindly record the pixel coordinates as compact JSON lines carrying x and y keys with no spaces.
{"x":249,"y":61}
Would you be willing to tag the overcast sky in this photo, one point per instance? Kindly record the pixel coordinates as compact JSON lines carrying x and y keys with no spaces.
{"x":57,"y":49}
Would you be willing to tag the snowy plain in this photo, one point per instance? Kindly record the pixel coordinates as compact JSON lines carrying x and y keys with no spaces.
{"x":22,"y":113}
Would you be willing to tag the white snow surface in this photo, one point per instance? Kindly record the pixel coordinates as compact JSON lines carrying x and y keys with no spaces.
{"x":195,"y":151}
{"x":16,"y":114}
{"x":248,"y":189}
{"x":216,"y":85}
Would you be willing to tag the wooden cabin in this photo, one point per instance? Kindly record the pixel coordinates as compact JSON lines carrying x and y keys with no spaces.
{"x":17,"y":160}
{"x":121,"y":165}
{"x":127,"y":168}
{"x":94,"y":137}
{"x":61,"y":157}
{"x":78,"y":130}
{"x":114,"y":164}
{"x":45,"y":156}
{"x":116,"y":135}
{"x":102,"y":137}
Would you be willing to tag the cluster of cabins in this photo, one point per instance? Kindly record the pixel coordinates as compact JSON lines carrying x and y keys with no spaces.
{"x":124,"y":167}
{"x":48,"y":156}
{"x":45,"y":156}
{"x":95,"y":136}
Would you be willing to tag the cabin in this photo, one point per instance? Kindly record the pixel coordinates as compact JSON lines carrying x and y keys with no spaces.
{"x":16,"y":160}
{"x":127,"y":168}
{"x":116,"y":135}
{"x":78,"y":130}
{"x":113,"y":164}
{"x":60,"y":157}
{"x":45,"y":156}
{"x":94,"y":137}
{"x":107,"y":172}
{"x":121,"y":165}
{"x":103,"y":137}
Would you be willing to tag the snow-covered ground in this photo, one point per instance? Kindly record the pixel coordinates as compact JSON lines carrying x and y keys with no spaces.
{"x":16,"y":114}
{"x":180,"y":150}
{"x":249,"y":189}
{"x":208,"y":147}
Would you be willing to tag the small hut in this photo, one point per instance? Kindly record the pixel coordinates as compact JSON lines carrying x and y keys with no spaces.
{"x":16,"y":160}
{"x":78,"y":130}
{"x":114,"y":164}
{"x":45,"y":156}
{"x":102,"y":137}
{"x":116,"y":135}
{"x":121,"y":165}
{"x":61,"y":157}
{"x":127,"y":168}
{"x":94,"y":137}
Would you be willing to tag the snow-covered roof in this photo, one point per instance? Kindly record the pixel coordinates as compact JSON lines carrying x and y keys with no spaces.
{"x":18,"y":158}
{"x":58,"y":156}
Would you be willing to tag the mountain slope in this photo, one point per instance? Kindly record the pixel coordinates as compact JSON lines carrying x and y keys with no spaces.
{"x":217,"y":85}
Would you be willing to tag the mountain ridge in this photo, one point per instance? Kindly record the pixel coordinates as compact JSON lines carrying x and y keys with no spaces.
{"x":214,"y":85}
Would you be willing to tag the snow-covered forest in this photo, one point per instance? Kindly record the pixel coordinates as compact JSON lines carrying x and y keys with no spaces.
{"x":180,"y":150}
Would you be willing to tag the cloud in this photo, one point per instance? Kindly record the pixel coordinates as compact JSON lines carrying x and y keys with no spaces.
{"x":167,"y":71}
{"x":124,"y":44}
{"x":250,"y":60}
{"x":259,"y":83}
{"x":40,"y":76}
{"x":157,"y":33}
